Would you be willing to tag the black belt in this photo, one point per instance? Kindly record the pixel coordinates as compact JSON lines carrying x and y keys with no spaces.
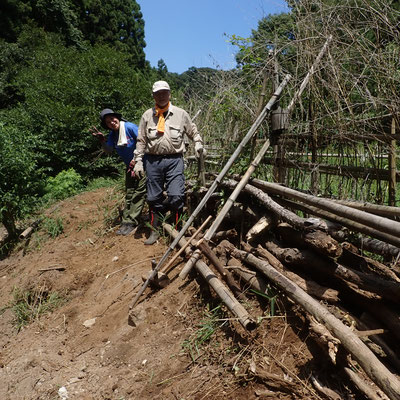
{"x":159,"y":156}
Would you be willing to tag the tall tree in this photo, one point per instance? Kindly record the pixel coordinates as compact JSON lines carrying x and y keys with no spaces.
{"x":115,"y":22}
{"x":51,"y":15}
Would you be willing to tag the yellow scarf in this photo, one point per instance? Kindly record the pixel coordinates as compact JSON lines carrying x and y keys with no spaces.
{"x":161,"y":119}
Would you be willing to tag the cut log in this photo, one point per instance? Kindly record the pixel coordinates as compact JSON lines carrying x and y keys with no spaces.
{"x":376,"y":246}
{"x":384,"y":244}
{"x":375,"y":370}
{"x":251,"y":278}
{"x":28,"y":231}
{"x":307,"y":260}
{"x":351,"y":258}
{"x":262,"y":225}
{"x":228,"y":235}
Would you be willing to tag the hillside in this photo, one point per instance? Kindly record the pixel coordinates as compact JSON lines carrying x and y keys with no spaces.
{"x":86,"y":349}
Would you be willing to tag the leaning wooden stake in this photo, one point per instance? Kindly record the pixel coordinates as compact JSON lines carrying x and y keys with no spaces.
{"x":243,"y":181}
{"x":161,"y":278}
{"x":376,"y":371}
{"x":222,"y":291}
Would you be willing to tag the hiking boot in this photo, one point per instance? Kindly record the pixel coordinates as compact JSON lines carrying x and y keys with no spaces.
{"x":125,"y":229}
{"x":154,"y":236}
{"x":154,"y":221}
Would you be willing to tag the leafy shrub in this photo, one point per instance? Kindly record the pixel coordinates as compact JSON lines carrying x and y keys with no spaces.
{"x":65,"y":184}
{"x":19,"y":176}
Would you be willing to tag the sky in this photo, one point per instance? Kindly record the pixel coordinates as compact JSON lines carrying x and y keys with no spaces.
{"x":189,"y":33}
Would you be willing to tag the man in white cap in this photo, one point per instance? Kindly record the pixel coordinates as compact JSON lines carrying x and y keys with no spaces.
{"x":159,"y":152}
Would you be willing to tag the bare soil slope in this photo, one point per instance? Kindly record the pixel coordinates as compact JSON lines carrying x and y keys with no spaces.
{"x":85,"y":348}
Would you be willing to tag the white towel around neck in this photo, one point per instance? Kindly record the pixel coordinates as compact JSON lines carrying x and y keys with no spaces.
{"x":122,"y":140}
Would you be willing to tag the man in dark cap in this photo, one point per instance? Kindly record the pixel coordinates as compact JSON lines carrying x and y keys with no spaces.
{"x":159,"y":152}
{"x":122,"y":138}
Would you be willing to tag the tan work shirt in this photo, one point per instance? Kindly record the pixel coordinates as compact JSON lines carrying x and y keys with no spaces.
{"x":177,"y":124}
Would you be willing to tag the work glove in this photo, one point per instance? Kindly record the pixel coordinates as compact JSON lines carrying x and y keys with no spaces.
{"x":131,"y":167}
{"x":198,"y":149}
{"x":138,"y":169}
{"x":96,"y":133}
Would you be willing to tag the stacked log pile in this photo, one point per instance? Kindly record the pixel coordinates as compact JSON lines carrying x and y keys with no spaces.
{"x":348,"y":285}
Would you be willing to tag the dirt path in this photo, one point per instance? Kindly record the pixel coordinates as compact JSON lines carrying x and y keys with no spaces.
{"x":85,"y":349}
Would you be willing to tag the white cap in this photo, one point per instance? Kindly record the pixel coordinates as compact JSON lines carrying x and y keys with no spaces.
{"x":160,"y":85}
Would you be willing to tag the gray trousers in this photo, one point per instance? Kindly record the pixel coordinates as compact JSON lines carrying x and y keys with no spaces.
{"x":165,"y":173}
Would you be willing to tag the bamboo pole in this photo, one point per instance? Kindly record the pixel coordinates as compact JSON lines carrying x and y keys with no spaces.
{"x":227,"y":206}
{"x":353,"y":225}
{"x":309,"y":74}
{"x":378,"y":209}
{"x":167,"y":266}
{"x":376,"y":371}
{"x":222,"y":291}
{"x":259,"y":109}
{"x":215,"y":184}
{"x":211,"y":231}
{"x":392,"y":166}
{"x":374,"y":221}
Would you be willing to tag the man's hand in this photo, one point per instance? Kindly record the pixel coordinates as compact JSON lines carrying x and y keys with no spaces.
{"x":138,"y":169}
{"x":96,"y":133}
{"x":131,"y":168}
{"x":198,"y":149}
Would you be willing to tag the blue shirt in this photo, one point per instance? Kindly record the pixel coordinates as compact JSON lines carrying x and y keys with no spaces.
{"x":125,"y":152}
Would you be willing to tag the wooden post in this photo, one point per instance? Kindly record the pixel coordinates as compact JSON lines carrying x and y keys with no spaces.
{"x":392,"y":166}
{"x":259,"y":109}
{"x":315,"y":170}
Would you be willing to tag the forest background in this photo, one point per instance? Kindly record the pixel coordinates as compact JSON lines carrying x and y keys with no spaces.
{"x":64,"y":60}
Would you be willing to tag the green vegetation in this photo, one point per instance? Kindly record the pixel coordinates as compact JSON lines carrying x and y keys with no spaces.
{"x":53,"y":226}
{"x":29,"y":305}
{"x":208,"y":326}
{"x":65,"y":184}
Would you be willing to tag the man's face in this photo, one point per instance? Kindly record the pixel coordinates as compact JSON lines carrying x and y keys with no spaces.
{"x":162,"y":97}
{"x":112,"y":122}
